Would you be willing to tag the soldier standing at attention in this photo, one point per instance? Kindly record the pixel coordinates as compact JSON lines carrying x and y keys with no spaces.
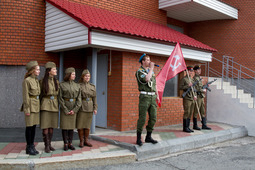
{"x":49,"y":104}
{"x":188,"y":100}
{"x":31,"y":104}
{"x":88,"y":107}
{"x":200,"y":100}
{"x":147,"y":100}
{"x":70,"y":103}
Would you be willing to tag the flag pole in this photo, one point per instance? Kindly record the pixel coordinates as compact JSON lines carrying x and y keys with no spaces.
{"x":193,"y":94}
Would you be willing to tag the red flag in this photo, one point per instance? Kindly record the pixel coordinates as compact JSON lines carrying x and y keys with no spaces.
{"x":174,"y":65}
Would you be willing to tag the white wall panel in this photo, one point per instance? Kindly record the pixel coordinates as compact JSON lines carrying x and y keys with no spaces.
{"x":135,"y":45}
{"x":62,"y":32}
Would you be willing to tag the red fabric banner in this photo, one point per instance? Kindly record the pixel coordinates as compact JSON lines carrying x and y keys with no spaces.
{"x":174,"y":65}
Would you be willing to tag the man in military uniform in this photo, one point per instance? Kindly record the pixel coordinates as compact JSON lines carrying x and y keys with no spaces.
{"x":147,"y":100}
{"x":200,"y":100}
{"x":189,"y":99}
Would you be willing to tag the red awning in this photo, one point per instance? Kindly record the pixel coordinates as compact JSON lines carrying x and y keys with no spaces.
{"x":101,"y":19}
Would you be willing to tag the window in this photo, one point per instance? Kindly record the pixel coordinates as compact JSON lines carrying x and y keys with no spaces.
{"x":171,"y":87}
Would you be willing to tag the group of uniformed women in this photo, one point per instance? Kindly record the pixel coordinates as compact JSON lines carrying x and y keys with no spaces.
{"x":41,"y":100}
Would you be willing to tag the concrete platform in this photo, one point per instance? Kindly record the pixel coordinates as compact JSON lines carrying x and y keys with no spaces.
{"x":109,"y":147}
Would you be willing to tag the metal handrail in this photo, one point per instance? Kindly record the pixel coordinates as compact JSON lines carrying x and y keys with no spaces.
{"x":233,"y":72}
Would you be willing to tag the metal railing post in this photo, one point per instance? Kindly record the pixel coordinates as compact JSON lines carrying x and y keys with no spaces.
{"x":237,"y":87}
{"x":222,"y":76}
{"x":254,"y":94}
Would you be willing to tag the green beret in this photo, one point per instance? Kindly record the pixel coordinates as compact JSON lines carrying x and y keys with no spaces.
{"x":69,"y":70}
{"x":31,"y":64}
{"x":86,"y":71}
{"x":50,"y":65}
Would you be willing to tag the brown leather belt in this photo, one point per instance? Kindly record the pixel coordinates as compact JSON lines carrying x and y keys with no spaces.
{"x":70,"y":100}
{"x":50,"y":97}
{"x":34,"y":97}
{"x":87,"y":99}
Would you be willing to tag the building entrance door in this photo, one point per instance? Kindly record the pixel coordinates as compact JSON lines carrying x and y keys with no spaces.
{"x":101,"y":87}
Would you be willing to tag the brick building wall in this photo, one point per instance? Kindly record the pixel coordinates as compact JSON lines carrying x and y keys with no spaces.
{"x":235,"y":38}
{"x":22,"y":32}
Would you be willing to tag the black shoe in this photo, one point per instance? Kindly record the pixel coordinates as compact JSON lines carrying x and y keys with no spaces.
{"x":149,"y":139}
{"x":206,"y":127}
{"x":29,"y":150}
{"x":190,"y":129}
{"x":33,"y":147}
{"x":138,"y":140}
{"x":70,"y":146}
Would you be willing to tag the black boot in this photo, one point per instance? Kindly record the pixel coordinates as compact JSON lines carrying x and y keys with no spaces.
{"x":70,"y":140}
{"x":138,"y":140}
{"x":204,"y":124}
{"x":185,"y":129}
{"x":188,"y":123}
{"x":33,"y":139}
{"x":29,"y":150}
{"x":149,"y":139}
{"x":65,"y":139}
{"x":195,"y":124}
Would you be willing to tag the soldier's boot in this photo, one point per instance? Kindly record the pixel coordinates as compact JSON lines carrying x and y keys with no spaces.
{"x":81,"y":137}
{"x":138,"y":140}
{"x":149,"y":139}
{"x":70,"y":140}
{"x":28,"y":140}
{"x":204,"y":124}
{"x":65,"y":139}
{"x":185,"y":129}
{"x":86,"y":138}
{"x":195,"y":124}
{"x":188,"y":123}
{"x":46,"y":142}
{"x":33,"y":139}
{"x":50,"y":139}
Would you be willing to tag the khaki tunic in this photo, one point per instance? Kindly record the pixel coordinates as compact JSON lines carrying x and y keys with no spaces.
{"x":69,"y":90}
{"x":89,"y":104}
{"x":188,"y":100}
{"x":31,"y":102}
{"x":49,"y":106}
{"x":200,"y":97}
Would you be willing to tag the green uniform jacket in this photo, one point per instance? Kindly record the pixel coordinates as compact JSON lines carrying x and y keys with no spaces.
{"x":184,"y":85}
{"x":89,"y":98}
{"x":141,"y":80}
{"x":69,"y":90}
{"x":199,"y":86}
{"x":47,"y":103}
{"x":31,"y":89}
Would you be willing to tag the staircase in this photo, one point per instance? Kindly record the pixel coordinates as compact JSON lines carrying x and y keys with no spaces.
{"x":231,"y":100}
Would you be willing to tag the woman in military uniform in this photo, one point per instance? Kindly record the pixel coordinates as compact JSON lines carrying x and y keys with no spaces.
{"x":31,"y":104}
{"x":88,"y":107}
{"x":70,"y":103}
{"x":49,"y":104}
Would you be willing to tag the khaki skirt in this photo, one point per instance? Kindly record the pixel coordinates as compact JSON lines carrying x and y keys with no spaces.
{"x":84,"y":120}
{"x":67,"y":122}
{"x":48,"y":119}
{"x":33,"y":119}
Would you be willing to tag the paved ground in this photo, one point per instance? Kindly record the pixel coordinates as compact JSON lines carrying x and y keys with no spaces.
{"x":113,"y":149}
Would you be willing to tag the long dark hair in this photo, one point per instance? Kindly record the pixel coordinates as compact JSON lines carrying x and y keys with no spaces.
{"x":45,"y":84}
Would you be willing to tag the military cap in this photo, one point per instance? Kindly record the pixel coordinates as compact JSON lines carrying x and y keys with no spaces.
{"x":50,"y":65}
{"x":190,"y":68}
{"x":31,"y":64}
{"x":69,"y":70}
{"x":141,"y":58}
{"x":196,"y":67}
{"x":86,"y":71}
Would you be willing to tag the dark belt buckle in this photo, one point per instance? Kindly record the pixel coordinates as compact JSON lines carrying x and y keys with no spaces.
{"x":87,"y":99}
{"x":71,"y":100}
{"x":52,"y":97}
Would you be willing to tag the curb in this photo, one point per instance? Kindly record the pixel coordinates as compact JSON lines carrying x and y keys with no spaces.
{"x":148,"y":151}
{"x":70,"y":162}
